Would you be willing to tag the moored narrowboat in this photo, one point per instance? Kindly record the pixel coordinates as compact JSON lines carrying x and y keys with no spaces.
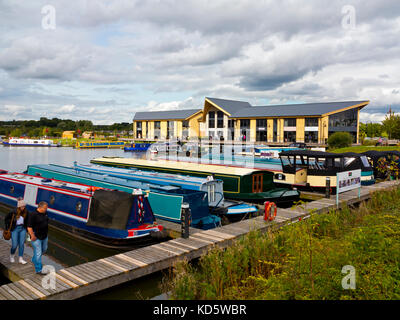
{"x":382,"y":161}
{"x":134,"y":147}
{"x":23,"y":142}
{"x":213,"y":187}
{"x":106,"y":217}
{"x":310,"y":169}
{"x":244,"y":184}
{"x":99,"y":144}
{"x":165,"y":201}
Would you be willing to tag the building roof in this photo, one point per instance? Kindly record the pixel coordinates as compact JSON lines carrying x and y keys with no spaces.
{"x":230,"y":106}
{"x":165,"y":115}
{"x":290,"y":110}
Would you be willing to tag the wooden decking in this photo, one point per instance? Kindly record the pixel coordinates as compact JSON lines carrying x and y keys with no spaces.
{"x":81,"y":280}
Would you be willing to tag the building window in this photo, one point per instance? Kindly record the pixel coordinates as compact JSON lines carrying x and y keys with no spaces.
{"x":290,"y":122}
{"x":261,"y":130}
{"x":275,"y":130}
{"x":245,"y":129}
{"x":344,"y":121}
{"x":311,"y":136}
{"x":185,"y":129}
{"x":311,"y":122}
{"x":139,"y":130}
{"x":289,"y":136}
{"x":211,"y":119}
{"x":157,"y":129}
{"x":231,"y":129}
{"x":220,"y":119}
{"x":170,"y":129}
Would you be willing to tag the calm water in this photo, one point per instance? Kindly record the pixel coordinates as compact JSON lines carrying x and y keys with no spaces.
{"x":66,"y":250}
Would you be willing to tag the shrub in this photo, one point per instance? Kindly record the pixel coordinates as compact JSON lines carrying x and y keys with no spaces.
{"x":340,"y":140}
{"x":369,"y":143}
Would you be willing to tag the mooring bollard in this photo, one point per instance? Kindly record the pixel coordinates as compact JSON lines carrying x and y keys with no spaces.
{"x":185,"y":218}
{"x":328,"y":187}
{"x":199,"y":149}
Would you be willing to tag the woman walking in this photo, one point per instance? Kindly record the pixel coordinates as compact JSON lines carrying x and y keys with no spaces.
{"x":18,"y":220}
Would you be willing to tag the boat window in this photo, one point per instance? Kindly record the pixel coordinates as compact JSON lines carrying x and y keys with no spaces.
{"x":328,"y":163}
{"x":52,"y":200}
{"x":257,"y":183}
{"x":365,"y":161}
{"x":12,"y":189}
{"x":285,"y":160}
{"x":312,"y":163}
{"x":348,"y":161}
{"x":337,"y":163}
{"x":78,"y":206}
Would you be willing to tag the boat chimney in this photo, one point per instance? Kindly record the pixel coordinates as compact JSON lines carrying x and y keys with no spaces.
{"x":137,"y":192}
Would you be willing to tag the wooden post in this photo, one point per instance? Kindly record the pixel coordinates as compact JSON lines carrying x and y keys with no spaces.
{"x":185,"y":217}
{"x":328,"y":187}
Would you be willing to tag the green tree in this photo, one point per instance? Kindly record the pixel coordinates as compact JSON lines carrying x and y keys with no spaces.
{"x":391,"y":125}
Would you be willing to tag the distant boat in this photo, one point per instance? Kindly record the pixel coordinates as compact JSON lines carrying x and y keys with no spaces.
{"x":99,"y":144}
{"x":22,"y":142}
{"x":165,"y":200}
{"x":142,"y":146}
{"x":107,"y":217}
{"x":161,"y":147}
{"x":213,"y":187}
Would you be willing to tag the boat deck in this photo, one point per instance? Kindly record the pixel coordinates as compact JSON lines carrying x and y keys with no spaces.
{"x":84,"y":279}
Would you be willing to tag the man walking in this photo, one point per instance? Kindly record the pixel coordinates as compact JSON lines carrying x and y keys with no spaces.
{"x":38,"y":229}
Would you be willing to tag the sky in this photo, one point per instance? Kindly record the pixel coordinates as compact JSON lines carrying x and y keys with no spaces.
{"x":104,"y":60}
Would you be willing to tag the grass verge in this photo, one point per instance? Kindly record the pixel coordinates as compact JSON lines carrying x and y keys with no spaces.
{"x":304,"y":260}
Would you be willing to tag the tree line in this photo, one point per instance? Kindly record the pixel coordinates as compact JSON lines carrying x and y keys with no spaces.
{"x":390,"y":127}
{"x":55,"y":127}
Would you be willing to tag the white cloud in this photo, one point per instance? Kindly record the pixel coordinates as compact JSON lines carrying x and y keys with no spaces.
{"x":153,"y":55}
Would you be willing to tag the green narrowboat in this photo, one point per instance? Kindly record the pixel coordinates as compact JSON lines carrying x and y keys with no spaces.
{"x":244,"y":184}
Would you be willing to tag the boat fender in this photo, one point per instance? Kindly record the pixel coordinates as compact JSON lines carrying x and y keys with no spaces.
{"x":267,"y":211}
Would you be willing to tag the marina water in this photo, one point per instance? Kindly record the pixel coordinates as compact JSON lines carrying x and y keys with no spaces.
{"x":63,"y":248}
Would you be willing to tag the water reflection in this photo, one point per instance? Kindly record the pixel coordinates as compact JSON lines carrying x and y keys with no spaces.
{"x":63,"y":248}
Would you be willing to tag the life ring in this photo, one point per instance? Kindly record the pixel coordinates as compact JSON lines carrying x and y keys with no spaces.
{"x":267,"y":211}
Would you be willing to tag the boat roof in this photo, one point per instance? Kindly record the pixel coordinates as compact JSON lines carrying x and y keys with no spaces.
{"x":112,"y":181}
{"x":154,"y":175}
{"x":311,"y":153}
{"x":378,"y":154}
{"x":178,"y":165}
{"x":45,"y":182}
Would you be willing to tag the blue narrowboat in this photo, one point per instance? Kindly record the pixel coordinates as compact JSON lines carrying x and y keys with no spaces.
{"x":106,"y":217}
{"x":165,"y":201}
{"x":143,"y":146}
{"x":213,"y":187}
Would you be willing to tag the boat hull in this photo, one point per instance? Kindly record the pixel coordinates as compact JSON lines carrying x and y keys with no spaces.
{"x":138,"y":147}
{"x":70,"y":210}
{"x":7,"y":144}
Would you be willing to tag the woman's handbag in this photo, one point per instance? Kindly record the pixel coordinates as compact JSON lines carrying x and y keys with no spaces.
{"x":7,"y":233}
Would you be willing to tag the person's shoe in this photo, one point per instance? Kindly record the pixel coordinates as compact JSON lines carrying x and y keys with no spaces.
{"x":12,"y":260}
{"x":41,"y":273}
{"x":21,"y":260}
